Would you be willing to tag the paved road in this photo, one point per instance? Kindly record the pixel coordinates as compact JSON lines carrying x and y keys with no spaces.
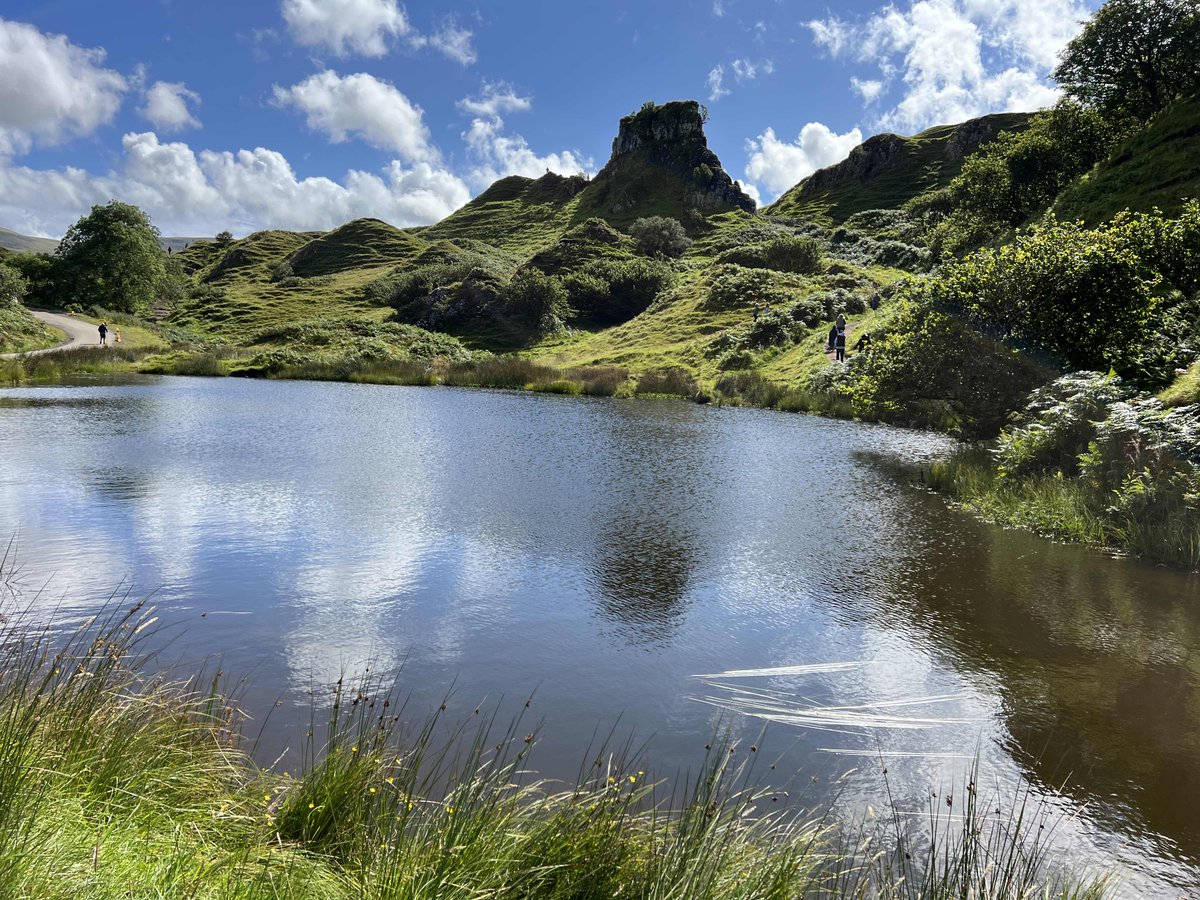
{"x":79,"y":334}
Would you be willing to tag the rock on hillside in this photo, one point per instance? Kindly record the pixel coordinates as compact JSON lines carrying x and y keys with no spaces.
{"x":661,"y":165}
{"x":887,"y":170}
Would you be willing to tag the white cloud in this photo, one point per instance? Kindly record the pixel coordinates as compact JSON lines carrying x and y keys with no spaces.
{"x":957,"y":58}
{"x":167,"y":106}
{"x":346,"y":26}
{"x":719,"y":8}
{"x":779,"y":164}
{"x":51,"y":90}
{"x":747,"y":70}
{"x":716,"y":83}
{"x":496,"y":98}
{"x":186,"y":192}
{"x":869,"y":89}
{"x":363,"y":106}
{"x":498,"y":154}
{"x":455,"y":43}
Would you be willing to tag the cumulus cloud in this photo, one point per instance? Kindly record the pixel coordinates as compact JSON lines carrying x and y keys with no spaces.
{"x":51,"y":90}
{"x":495,"y":98}
{"x":957,"y":58}
{"x":167,"y":106}
{"x":362,"y":106}
{"x":716,"y":83}
{"x":366,"y":27}
{"x":455,"y":43}
{"x":498,"y":154}
{"x":186,"y":192}
{"x":868,"y":89}
{"x":780,"y":164}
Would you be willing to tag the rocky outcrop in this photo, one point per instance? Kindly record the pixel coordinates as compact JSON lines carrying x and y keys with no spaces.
{"x":666,"y":140}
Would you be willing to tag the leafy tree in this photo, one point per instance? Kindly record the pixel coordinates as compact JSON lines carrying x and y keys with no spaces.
{"x":659,"y":236}
{"x":224,"y":239}
{"x":111,"y":258}
{"x":1134,"y":57}
{"x":537,"y":299}
{"x":38,"y":271}
{"x":13,"y":286}
{"x":1016,"y":176}
{"x":1088,"y":296}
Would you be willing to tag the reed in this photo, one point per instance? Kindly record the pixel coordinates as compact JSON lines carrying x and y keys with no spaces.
{"x":120,"y":780}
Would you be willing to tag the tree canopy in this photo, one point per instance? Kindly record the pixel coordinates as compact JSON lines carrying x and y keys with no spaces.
{"x":111,"y":258}
{"x":1134,"y":57}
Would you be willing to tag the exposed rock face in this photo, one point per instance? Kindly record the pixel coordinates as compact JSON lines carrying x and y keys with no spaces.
{"x":668,"y":139}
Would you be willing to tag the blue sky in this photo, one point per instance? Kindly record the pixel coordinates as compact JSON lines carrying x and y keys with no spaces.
{"x":306,"y":113}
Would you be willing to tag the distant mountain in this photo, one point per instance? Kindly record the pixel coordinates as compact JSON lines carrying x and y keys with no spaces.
{"x":11,"y":240}
{"x":23,"y":243}
{"x":887,"y":170}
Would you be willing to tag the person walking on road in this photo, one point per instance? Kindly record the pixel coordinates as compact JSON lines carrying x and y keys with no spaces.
{"x":103,"y":329}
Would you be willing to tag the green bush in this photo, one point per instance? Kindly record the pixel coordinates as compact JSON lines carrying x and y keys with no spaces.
{"x":632,"y":285}
{"x":659,"y":236}
{"x":736,"y":287}
{"x":536,"y":300}
{"x":789,"y":253}
{"x":928,"y":369}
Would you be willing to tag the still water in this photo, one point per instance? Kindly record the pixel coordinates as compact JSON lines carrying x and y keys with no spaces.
{"x":598,"y":556}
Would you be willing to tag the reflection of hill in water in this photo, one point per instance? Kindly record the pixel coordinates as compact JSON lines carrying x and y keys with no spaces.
{"x":640,"y":577}
{"x":1098,"y":659}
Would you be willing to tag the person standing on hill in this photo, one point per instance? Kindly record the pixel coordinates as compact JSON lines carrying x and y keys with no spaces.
{"x":840,"y":344}
{"x":840,"y":322}
{"x":103,"y":329}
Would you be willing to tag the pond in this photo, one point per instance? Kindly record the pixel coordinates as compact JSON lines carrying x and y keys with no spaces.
{"x":598,"y":556}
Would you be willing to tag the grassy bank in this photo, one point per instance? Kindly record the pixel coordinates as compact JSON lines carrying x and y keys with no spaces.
{"x":119,"y":782}
{"x":20,"y":332}
{"x":1091,"y":460}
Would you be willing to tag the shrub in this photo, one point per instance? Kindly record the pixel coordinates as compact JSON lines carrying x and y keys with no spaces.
{"x":537,"y":300}
{"x":659,"y":236}
{"x":674,"y":380}
{"x":735,"y":287}
{"x":632,"y":285}
{"x":750,"y":388}
{"x":789,"y":253}
{"x":928,"y":369}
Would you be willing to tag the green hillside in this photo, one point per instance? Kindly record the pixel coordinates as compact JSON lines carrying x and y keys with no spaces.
{"x":887,"y":170}
{"x":1158,"y":167}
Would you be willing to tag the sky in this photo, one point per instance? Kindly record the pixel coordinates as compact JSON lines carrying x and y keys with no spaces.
{"x":304,"y":114}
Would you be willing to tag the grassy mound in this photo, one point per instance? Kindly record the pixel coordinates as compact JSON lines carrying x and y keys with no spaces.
{"x":1158,"y":167}
{"x":363,"y":243}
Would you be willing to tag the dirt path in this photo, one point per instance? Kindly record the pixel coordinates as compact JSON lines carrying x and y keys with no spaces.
{"x":79,"y":334}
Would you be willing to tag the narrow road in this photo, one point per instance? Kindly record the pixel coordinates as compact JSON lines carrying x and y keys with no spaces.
{"x":79,"y":334}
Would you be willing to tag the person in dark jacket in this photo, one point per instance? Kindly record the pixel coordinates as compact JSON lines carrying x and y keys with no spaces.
{"x":839,"y":345}
{"x":103,"y":329}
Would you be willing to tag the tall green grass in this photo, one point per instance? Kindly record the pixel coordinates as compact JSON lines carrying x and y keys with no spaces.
{"x":1067,"y":508}
{"x":119,"y":780}
{"x":79,"y":361}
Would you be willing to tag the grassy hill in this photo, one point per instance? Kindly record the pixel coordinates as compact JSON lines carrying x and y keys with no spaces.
{"x":22,"y":243}
{"x":887,"y":170}
{"x":1157,"y":167}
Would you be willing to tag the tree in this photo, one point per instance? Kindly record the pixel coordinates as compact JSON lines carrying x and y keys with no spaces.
{"x":111,"y":258}
{"x":1134,"y":57}
{"x":538,"y":300}
{"x":13,"y":285}
{"x":224,"y":239}
{"x":659,"y":236}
